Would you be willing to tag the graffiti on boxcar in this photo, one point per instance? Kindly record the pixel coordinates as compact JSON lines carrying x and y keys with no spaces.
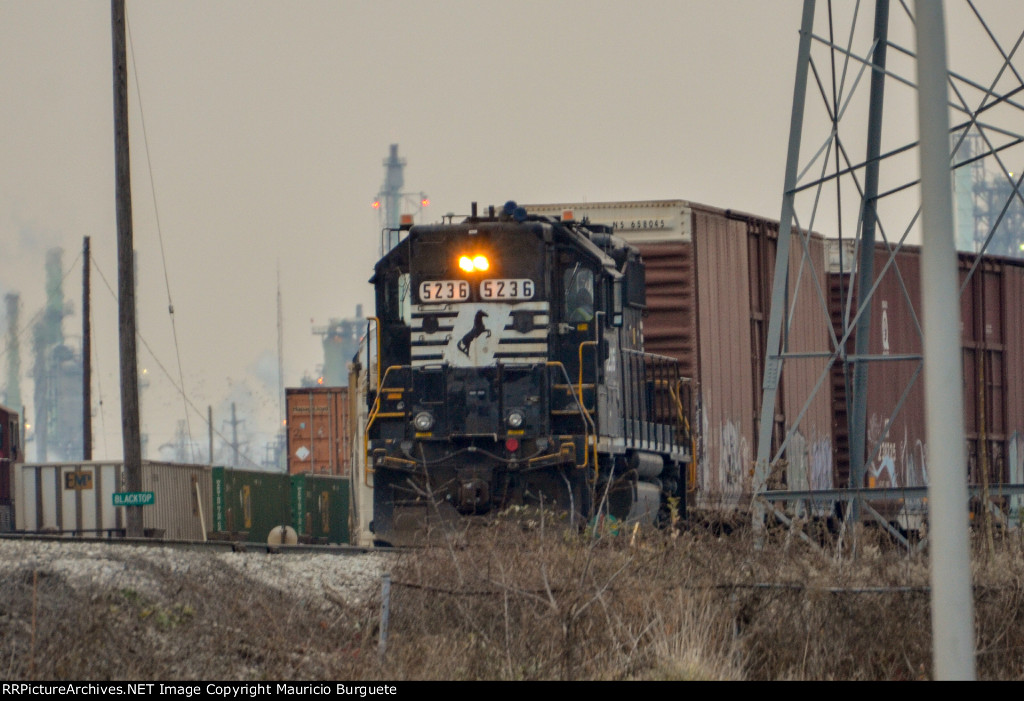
{"x":797,"y":463}
{"x":809,"y":464}
{"x":722,"y":453}
{"x":1015,"y":457}
{"x":734,"y":456}
{"x":882,"y":470}
{"x":915,"y":462}
{"x":821,"y":464}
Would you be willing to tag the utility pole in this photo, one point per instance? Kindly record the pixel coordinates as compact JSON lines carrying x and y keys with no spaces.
{"x":86,"y":357}
{"x":209,"y":422}
{"x":234,"y":433}
{"x":131,"y":437}
{"x":235,"y":445}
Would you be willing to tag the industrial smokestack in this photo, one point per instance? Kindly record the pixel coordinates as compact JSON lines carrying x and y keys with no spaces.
{"x":12,"y":394}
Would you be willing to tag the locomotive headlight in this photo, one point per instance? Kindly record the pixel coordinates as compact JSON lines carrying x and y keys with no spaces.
{"x":515,"y":419}
{"x":474,"y":263}
{"x":423,"y":421}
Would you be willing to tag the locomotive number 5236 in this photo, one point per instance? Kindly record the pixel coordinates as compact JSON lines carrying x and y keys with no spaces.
{"x":444,"y":291}
{"x":506,"y":289}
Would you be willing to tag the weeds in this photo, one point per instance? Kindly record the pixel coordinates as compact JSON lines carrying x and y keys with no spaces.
{"x":525,"y":598}
{"x":676,"y":605}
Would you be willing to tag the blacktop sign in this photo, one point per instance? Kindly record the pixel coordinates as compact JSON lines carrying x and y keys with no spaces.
{"x":134,"y":498}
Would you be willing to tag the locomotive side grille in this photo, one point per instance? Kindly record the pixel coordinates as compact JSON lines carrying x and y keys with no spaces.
{"x":479,"y":334}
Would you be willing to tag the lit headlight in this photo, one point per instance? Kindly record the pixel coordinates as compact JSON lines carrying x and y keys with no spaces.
{"x":423,"y":421}
{"x":515,"y":419}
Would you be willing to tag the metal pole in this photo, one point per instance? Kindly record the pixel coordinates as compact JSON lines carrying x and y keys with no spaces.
{"x":385,"y":614}
{"x":234,"y":434}
{"x":131,"y":437}
{"x":951,"y":598}
{"x":209,"y":422}
{"x":86,"y":357}
{"x":773,"y":361}
{"x":866,"y":267}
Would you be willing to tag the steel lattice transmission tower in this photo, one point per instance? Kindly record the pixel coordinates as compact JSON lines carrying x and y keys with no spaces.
{"x":852,"y":177}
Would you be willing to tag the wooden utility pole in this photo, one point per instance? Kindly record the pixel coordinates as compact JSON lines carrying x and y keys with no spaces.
{"x":209,"y":421}
{"x":86,"y":357}
{"x":131,"y":436}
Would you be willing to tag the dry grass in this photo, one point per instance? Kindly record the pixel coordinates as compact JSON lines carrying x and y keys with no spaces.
{"x":512,"y":604}
{"x":515,"y":602}
{"x":205,"y":624}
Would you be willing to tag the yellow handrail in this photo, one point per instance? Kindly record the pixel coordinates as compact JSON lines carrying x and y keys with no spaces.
{"x":588,"y":422}
{"x":584,"y":406}
{"x":691,"y":473}
{"x":374,"y":413}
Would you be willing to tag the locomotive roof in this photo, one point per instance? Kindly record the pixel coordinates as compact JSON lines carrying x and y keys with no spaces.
{"x":579,"y":234}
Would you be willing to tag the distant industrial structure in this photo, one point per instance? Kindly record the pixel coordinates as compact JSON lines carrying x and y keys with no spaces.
{"x":391,"y":201}
{"x":988,"y":215}
{"x":12,"y":391}
{"x":56,"y":373}
{"x":340,"y":343}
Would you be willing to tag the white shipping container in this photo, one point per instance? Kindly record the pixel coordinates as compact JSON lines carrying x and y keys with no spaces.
{"x":78,"y":498}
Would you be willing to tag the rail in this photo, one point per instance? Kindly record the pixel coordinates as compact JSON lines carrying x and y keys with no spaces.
{"x":199,"y":545}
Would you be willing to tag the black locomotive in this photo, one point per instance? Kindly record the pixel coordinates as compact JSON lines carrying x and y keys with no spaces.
{"x":510,"y":370}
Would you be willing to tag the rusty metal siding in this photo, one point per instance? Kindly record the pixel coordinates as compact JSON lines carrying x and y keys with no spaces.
{"x":992,"y":338}
{"x":986,"y":412}
{"x":1013,"y":339}
{"x":709,"y":296}
{"x":725,"y":414}
{"x":895,"y":444}
{"x":805,"y":381}
{"x":670,"y":321}
{"x":319,"y":435}
{"x":896,"y":454}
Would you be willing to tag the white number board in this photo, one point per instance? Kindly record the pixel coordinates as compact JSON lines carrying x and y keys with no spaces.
{"x":444,"y":291}
{"x":506,"y":289}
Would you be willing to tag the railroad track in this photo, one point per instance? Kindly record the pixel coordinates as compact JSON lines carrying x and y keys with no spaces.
{"x":199,"y":546}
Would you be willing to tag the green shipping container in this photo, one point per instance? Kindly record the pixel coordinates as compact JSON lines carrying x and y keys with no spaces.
{"x":247,"y":504}
{"x":321,"y":503}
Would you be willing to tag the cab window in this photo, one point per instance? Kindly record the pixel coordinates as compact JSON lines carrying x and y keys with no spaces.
{"x":578,"y":285}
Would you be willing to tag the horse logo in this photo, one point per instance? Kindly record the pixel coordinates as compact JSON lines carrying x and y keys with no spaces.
{"x":474,"y":333}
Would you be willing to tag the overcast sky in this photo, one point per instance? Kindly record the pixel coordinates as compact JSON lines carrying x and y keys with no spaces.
{"x":266,"y":124}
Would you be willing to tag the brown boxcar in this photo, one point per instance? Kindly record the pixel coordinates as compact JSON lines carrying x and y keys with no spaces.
{"x":10,"y":454}
{"x":709,"y":275}
{"x":992,"y":338}
{"x":319,"y":434}
{"x":895,"y":447}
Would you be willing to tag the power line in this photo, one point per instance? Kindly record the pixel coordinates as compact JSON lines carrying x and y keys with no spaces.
{"x":189,"y":404}
{"x":159,"y":231}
